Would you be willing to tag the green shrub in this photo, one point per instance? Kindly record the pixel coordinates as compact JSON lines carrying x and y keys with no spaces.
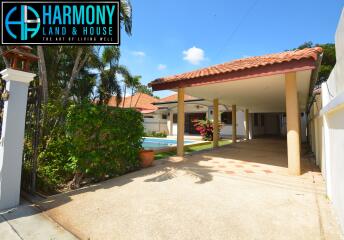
{"x":55,"y":164}
{"x":88,"y":140}
{"x":105,"y":141}
{"x":156,"y":134}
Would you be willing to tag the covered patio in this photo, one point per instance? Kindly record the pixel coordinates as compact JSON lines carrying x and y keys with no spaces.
{"x":274,"y":83}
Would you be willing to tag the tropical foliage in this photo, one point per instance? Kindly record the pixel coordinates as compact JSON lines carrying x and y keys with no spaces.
{"x":96,"y":143}
{"x":78,"y":135}
{"x":328,"y":59}
{"x":205,"y":128}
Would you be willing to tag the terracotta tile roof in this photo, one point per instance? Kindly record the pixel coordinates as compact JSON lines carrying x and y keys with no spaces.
{"x":174,"y":98}
{"x":144,"y":102}
{"x":243,"y":64}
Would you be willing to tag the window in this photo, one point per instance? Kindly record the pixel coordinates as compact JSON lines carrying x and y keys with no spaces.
{"x":255,"y":119}
{"x":262,"y":120}
{"x":164,"y":116}
{"x":148,"y":116}
{"x":226,"y":117}
{"x":175,"y":118}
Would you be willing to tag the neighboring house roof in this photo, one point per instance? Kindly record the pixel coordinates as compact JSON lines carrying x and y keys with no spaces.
{"x":174,"y":98}
{"x":140,"y":101}
{"x":298,"y":59}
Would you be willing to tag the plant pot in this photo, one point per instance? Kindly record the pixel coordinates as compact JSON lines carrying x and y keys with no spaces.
{"x":146,"y":158}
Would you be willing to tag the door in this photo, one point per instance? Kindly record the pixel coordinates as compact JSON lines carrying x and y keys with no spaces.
{"x":189,"y":121}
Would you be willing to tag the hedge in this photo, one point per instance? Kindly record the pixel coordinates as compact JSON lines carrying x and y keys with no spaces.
{"x":97,"y":142}
{"x":104,"y":140}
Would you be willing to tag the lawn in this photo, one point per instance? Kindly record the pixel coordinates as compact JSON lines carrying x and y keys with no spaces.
{"x":192,"y":149}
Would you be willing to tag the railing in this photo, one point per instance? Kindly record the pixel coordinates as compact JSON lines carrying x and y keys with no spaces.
{"x":32,"y":137}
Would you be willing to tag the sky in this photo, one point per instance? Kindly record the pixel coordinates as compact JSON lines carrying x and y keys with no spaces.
{"x":171,"y":37}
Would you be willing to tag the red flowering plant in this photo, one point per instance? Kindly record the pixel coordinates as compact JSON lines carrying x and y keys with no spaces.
{"x":205,"y":128}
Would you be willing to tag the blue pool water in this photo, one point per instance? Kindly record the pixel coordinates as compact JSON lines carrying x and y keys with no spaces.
{"x":158,"y":143}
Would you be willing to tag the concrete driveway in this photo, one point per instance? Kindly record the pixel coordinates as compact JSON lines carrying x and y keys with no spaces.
{"x":26,"y":222}
{"x":241,"y":191}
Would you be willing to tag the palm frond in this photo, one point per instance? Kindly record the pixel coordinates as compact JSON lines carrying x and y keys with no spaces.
{"x":126,"y":15}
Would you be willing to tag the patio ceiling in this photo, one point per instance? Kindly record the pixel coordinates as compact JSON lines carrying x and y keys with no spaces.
{"x":262,"y":94}
{"x":257,"y":83}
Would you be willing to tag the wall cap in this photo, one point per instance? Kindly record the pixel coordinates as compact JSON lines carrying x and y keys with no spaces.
{"x":10,"y":74}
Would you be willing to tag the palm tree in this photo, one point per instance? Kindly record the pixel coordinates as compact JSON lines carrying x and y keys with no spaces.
{"x":109,"y":68}
{"x":81,"y":56}
{"x":126,"y":15}
{"x":131,"y":82}
{"x":135,"y":83}
{"x":142,"y":89}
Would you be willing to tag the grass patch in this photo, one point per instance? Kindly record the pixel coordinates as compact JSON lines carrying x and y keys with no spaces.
{"x":192,"y":149}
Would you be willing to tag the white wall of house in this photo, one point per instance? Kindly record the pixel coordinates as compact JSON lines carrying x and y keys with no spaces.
{"x":226,"y":130}
{"x":154,"y":123}
{"x":327,"y":129}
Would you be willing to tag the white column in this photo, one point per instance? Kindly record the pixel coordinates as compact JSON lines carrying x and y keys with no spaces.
{"x":12,"y":137}
{"x":171,"y":123}
{"x":247,"y":125}
{"x":250,"y":126}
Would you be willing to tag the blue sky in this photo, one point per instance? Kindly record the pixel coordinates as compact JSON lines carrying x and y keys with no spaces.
{"x":171,"y":37}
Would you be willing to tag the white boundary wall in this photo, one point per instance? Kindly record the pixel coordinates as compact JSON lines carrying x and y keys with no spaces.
{"x":327,"y":129}
{"x":155,"y":125}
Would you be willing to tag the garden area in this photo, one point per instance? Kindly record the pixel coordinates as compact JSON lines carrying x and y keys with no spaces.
{"x":76,"y":133}
{"x":95,"y":143}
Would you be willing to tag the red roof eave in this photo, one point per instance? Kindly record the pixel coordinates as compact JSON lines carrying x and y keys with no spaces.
{"x":271,"y":64}
{"x":261,"y":71}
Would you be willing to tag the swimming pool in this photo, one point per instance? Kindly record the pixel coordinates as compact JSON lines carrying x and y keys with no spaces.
{"x":160,"y":143}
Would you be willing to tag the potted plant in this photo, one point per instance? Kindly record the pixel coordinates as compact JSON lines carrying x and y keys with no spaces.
{"x":146,"y":157}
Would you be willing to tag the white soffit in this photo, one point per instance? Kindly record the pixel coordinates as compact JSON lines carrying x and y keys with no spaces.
{"x":261,"y":94}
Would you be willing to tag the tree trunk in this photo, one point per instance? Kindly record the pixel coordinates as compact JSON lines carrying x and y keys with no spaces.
{"x":75,"y":183}
{"x":42,"y":74}
{"x":7,"y":63}
{"x":132,"y":95}
{"x":125,"y":93}
{"x":78,"y":64}
{"x":138,"y":99}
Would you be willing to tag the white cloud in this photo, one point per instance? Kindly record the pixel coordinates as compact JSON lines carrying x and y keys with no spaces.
{"x":138,"y":53}
{"x":161,"y":67}
{"x":194,"y":55}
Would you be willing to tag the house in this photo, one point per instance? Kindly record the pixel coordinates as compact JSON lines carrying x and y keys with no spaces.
{"x":140,"y":101}
{"x":262,"y":124}
{"x":160,"y":115}
{"x":279,"y":95}
{"x":196,"y":109}
{"x":276,"y":86}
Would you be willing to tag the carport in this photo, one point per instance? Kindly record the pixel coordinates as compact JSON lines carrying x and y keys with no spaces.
{"x":273,"y":83}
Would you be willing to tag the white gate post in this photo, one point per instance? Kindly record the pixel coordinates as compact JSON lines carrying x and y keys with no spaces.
{"x":12,"y":136}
